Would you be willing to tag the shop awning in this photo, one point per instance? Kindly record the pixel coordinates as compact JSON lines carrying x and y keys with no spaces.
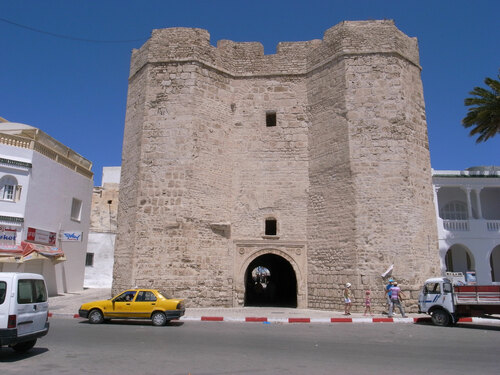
{"x":30,"y":251}
{"x":11,"y":253}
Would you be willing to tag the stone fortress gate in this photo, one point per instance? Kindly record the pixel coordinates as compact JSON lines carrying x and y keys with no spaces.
{"x":253,"y":179}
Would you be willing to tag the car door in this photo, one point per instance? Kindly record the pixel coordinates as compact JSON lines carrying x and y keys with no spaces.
{"x":32,"y":306}
{"x":122,"y":305}
{"x":145,"y":303}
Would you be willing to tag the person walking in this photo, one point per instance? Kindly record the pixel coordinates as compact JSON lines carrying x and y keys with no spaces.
{"x":368,"y":303}
{"x":388,"y":294}
{"x":347,"y":299}
{"x":396,"y":297}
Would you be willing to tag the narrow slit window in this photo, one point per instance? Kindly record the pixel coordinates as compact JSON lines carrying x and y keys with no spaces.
{"x":271,"y":227}
{"x":270,"y":119}
{"x":89,"y":259}
{"x":76,"y":209}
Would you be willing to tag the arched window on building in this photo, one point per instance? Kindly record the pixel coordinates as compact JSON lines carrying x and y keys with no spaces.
{"x":495,"y":264}
{"x":8,"y":188}
{"x":454,"y":210}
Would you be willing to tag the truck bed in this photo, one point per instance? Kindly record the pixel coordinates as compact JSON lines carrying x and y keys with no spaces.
{"x":477,"y":295}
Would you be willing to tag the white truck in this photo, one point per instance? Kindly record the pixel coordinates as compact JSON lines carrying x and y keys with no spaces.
{"x":24,"y":310}
{"x":446,"y":301}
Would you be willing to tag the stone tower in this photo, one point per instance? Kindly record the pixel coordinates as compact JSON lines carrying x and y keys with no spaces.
{"x":312,"y":162}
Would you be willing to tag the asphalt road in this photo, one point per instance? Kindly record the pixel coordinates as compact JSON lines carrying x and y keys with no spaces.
{"x":200,"y":348}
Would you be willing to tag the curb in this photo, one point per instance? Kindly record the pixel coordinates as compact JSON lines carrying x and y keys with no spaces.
{"x":304,"y":320}
{"x":265,"y":320}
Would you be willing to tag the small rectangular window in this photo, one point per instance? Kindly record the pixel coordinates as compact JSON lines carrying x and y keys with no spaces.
{"x":89,"y":259}
{"x":271,"y":227}
{"x":76,"y":209}
{"x":8,"y":193}
{"x":270,"y":119}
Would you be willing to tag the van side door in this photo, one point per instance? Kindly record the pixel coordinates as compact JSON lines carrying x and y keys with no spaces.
{"x":4,"y":304}
{"x":33,"y":306}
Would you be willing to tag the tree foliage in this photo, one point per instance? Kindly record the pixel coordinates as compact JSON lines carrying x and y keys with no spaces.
{"x":484,"y":111}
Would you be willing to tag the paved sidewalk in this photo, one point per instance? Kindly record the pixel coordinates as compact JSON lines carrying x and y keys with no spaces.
{"x":67,"y":305}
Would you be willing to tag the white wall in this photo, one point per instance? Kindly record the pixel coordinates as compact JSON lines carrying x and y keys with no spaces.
{"x":48,"y":207}
{"x":477,"y":239}
{"x":22,"y":175}
{"x":48,"y":189}
{"x":100,"y":275}
{"x":111,"y":175}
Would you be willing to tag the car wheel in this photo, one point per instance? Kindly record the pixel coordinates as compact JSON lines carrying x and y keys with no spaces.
{"x":24,"y":346}
{"x":96,"y":317}
{"x":440,"y":318}
{"x":159,"y":319}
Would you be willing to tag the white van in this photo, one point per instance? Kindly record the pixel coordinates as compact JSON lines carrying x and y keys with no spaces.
{"x":24,"y":309}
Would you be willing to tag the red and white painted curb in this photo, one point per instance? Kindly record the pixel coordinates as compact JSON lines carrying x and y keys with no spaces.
{"x":267,"y":320}
{"x":426,"y":319}
{"x":303,"y":320}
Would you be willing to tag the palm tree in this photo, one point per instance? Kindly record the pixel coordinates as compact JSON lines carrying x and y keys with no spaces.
{"x":484,"y":113}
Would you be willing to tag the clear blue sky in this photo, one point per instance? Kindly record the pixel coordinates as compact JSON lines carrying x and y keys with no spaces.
{"x":76,"y":90}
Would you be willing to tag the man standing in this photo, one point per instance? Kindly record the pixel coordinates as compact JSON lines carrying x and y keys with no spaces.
{"x":388,"y":293}
{"x":396,"y":296}
{"x":347,"y":299}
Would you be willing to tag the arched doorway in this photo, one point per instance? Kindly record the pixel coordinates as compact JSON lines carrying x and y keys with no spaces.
{"x":458,"y":259}
{"x":270,"y":281}
{"x":495,"y":264}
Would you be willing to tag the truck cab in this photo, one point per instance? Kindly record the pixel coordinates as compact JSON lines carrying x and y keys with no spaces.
{"x":436,"y":299}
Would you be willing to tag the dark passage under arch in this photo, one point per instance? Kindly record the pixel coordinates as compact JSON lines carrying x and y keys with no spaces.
{"x":275,"y":287}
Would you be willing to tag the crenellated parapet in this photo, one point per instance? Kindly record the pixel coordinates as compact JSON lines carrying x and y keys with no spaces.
{"x":181,"y":45}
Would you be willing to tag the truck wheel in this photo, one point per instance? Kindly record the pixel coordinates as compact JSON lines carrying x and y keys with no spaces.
{"x":24,"y":346}
{"x":96,"y":317}
{"x":440,"y":318}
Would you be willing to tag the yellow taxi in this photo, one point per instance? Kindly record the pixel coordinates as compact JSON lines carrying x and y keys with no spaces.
{"x":134,"y":304}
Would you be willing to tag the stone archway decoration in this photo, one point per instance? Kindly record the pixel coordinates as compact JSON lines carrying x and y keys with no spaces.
{"x":293,"y":253}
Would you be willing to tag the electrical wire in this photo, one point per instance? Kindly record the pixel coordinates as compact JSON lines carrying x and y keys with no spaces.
{"x":67,"y":36}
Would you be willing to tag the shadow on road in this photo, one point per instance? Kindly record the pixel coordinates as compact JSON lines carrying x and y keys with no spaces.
{"x":10,"y":355}
{"x":145,"y":322}
{"x":485,"y":327}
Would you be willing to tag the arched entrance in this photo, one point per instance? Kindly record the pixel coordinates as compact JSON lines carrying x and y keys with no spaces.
{"x":459,"y":259}
{"x":270,"y":281}
{"x":495,"y":264}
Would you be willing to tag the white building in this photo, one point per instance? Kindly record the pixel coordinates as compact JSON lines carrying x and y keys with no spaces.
{"x":45,"y":197}
{"x":468,"y":212}
{"x":101,"y":245}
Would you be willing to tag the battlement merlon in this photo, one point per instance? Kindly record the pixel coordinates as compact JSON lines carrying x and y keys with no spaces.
{"x":240,"y":59}
{"x":371,"y":37}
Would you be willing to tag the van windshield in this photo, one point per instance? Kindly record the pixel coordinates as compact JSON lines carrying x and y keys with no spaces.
{"x":3,"y":289}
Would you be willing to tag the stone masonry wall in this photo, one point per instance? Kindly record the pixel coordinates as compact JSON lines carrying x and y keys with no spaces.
{"x":345,"y":171}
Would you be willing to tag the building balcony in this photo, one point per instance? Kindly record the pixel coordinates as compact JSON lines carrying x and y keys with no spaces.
{"x":469,"y":228}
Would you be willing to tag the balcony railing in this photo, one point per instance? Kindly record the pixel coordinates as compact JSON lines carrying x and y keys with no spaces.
{"x":493,"y":226}
{"x":456,"y":225}
{"x":83,"y":168}
{"x":472,"y":225}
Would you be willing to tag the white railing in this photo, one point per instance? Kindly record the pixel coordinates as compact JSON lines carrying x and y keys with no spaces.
{"x":472,"y":226}
{"x":456,"y":225}
{"x":493,"y":226}
{"x":13,"y":140}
